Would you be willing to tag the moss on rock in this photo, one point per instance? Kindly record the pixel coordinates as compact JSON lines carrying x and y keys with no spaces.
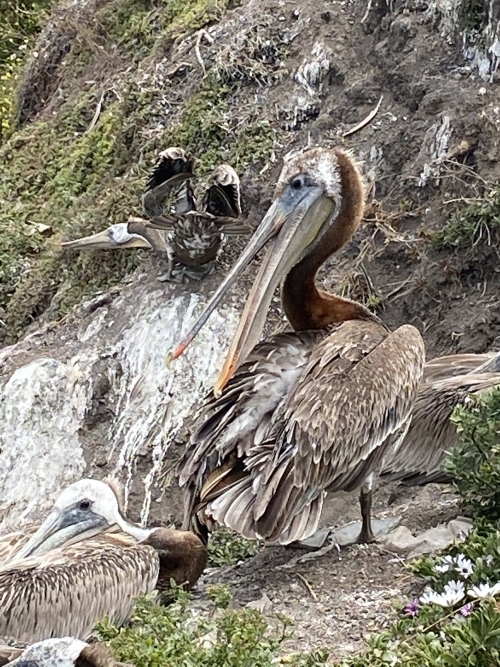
{"x":78,"y":163}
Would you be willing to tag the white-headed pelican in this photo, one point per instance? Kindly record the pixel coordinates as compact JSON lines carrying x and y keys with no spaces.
{"x":87,"y":561}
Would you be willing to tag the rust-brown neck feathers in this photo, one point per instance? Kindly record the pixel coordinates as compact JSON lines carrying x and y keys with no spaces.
{"x":305,"y":306}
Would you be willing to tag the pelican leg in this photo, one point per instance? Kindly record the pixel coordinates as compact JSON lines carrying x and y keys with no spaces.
{"x":365,"y":501}
{"x":167,"y":277}
{"x":357,"y":532}
{"x":200,"y":272}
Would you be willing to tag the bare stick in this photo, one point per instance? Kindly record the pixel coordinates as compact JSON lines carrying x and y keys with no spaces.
{"x":364,"y":122}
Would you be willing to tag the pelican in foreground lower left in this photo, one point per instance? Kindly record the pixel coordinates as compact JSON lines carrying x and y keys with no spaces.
{"x":85,"y":562}
{"x":309,"y":411}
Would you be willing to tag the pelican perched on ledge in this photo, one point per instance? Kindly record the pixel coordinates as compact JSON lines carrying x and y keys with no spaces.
{"x":194,"y":236}
{"x":85,"y":562}
{"x":447,"y":382}
{"x":309,"y":411}
{"x":190,"y":237}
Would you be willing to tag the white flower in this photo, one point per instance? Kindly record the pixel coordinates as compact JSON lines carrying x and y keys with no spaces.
{"x":484,"y":590}
{"x":429,"y":596}
{"x":446,"y":564}
{"x":453,"y":592}
{"x":464,"y":565}
{"x":459,"y":563}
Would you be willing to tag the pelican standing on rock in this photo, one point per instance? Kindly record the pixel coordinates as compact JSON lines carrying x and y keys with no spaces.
{"x":448,"y":381}
{"x":192,"y":238}
{"x":309,"y":411}
{"x":85,"y":562}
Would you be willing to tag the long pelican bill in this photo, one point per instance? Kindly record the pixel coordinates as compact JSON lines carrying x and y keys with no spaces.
{"x":294,"y":221}
{"x":63,"y":527}
{"x":102,"y":240}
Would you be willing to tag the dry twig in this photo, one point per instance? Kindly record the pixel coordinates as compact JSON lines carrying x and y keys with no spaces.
{"x":307,"y":585}
{"x":366,"y":120}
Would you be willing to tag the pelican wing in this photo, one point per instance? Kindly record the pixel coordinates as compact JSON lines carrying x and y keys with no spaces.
{"x":168,"y":177}
{"x":352,"y":403}
{"x":287,"y":429}
{"x":223,"y":195}
{"x":67,"y":591}
{"x":422,"y":453}
{"x":228,"y":427}
{"x":452,"y":365}
{"x":198,"y":222}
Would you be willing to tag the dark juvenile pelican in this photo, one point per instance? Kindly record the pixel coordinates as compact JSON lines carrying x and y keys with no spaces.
{"x":447,"y":382}
{"x":178,"y":231}
{"x":87,"y":561}
{"x":194,"y":236}
{"x":309,"y":411}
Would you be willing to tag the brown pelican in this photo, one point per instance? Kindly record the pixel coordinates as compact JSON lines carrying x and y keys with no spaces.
{"x":194,"y":237}
{"x":59,"y":652}
{"x":447,"y":382}
{"x":87,"y":561}
{"x":309,"y":411}
{"x":191,"y":237}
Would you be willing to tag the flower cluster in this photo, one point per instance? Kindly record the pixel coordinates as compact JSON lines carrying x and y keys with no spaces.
{"x":455,"y":590}
{"x":459,"y":563}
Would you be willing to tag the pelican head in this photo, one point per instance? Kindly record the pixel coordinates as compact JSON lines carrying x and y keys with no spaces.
{"x":59,"y":651}
{"x":307,"y":201}
{"x":225,"y":175}
{"x":84,"y":509}
{"x":116,"y":236}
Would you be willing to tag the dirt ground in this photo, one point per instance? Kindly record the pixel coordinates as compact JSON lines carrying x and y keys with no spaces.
{"x":336,"y":599}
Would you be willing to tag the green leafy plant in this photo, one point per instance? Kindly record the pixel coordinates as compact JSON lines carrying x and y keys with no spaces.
{"x":475,"y":224}
{"x":178,"y":636}
{"x":455,"y":622}
{"x":475,"y":462}
{"x":226,"y":548}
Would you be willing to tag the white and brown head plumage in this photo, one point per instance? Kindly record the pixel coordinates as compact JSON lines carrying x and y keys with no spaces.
{"x":87,"y":551}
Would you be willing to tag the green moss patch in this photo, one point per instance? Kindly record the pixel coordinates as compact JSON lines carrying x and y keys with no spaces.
{"x":21,"y":21}
{"x":78,"y":163}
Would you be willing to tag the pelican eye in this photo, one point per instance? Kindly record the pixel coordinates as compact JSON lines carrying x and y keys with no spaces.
{"x":84,"y":505}
{"x":298,"y":182}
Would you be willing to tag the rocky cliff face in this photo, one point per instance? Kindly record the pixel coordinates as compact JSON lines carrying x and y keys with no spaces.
{"x":83,"y":388}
